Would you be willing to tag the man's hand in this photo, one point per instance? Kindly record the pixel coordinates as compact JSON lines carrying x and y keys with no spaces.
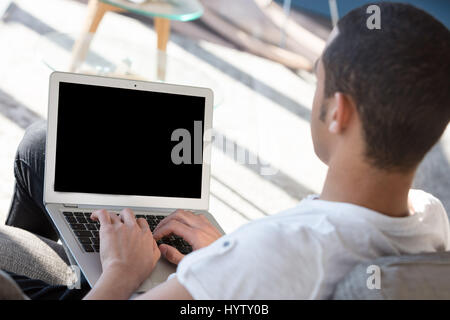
{"x":194,"y":228}
{"x":127,"y":247}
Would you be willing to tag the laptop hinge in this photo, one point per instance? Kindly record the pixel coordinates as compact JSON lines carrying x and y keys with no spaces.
{"x":70,"y":205}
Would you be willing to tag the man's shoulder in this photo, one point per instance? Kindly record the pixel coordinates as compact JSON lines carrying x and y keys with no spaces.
{"x":423,"y":201}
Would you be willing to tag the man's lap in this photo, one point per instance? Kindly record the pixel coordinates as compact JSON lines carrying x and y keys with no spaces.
{"x":27,"y":209}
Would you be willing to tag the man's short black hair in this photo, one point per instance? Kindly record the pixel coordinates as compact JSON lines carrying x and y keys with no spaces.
{"x":399,"y":78}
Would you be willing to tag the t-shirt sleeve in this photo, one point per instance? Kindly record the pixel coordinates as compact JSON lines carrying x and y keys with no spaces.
{"x":258,"y":261}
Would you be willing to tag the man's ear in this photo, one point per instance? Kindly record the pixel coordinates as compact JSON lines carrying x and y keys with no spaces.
{"x":340,"y":112}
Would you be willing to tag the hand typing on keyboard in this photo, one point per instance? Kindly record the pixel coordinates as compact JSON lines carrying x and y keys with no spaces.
{"x":129,"y":251}
{"x":193,"y":228}
{"x":127,"y":246}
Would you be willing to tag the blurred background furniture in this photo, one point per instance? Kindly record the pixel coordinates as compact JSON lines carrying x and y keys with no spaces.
{"x":118,"y":56}
{"x":162,"y":12}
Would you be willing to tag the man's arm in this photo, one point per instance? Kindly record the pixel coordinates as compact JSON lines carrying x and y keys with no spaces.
{"x":169,"y":290}
{"x":113,"y":286}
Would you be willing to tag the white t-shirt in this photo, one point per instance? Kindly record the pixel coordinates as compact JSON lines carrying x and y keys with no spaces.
{"x":302,"y":253}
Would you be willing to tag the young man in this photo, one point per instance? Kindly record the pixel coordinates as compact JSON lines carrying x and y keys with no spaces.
{"x":382,"y":101}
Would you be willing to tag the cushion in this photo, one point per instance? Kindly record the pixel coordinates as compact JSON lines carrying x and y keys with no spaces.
{"x":26,"y":254}
{"x":420,"y":276}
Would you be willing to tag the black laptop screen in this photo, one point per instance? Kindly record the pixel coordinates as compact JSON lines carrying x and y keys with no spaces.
{"x":120,"y":141}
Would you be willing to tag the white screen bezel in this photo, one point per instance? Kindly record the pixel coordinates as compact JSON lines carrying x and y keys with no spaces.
{"x":52,"y":196}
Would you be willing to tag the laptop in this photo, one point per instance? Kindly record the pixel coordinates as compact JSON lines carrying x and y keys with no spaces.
{"x":117,"y":143}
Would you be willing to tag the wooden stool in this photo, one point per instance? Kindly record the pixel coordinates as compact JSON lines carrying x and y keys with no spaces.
{"x":98,"y":8}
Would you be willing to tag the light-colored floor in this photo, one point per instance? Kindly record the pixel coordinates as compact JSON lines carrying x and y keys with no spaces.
{"x":265,"y":110}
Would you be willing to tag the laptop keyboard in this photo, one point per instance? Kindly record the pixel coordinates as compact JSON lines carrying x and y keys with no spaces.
{"x":87,"y":231}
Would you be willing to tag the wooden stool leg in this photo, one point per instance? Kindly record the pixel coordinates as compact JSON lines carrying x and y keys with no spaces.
{"x":162,"y":27}
{"x":95,"y":12}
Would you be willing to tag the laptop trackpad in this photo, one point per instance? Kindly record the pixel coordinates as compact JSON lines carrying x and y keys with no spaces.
{"x":162,"y":270}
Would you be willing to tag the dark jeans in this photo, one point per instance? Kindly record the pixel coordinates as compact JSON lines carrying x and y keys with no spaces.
{"x":27,"y":208}
{"x":28,"y":212}
{"x":39,"y":290}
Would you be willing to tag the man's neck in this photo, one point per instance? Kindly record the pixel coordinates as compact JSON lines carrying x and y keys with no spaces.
{"x":363,"y":185}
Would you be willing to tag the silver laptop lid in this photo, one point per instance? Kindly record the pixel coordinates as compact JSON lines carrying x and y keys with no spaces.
{"x":127,"y":143}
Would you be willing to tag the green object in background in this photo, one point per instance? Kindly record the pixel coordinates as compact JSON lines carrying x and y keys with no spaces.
{"x":181,"y":10}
